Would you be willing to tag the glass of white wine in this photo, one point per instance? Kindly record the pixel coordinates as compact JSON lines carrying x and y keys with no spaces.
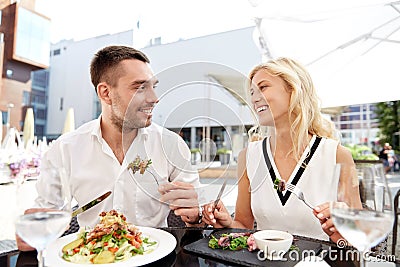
{"x":363,"y":212}
{"x":39,"y":227}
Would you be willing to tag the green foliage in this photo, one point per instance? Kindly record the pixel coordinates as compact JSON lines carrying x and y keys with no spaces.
{"x":388,"y":115}
{"x":195,"y":150}
{"x":223,"y":150}
{"x":361,"y":152}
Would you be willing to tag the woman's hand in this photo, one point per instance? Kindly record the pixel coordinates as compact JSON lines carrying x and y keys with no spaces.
{"x":220,"y":218}
{"x":323,"y":214}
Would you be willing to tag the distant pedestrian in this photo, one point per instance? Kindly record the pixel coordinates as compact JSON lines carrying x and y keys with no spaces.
{"x":384,"y":156}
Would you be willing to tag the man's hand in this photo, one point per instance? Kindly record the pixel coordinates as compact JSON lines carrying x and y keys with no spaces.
{"x":182,"y":199}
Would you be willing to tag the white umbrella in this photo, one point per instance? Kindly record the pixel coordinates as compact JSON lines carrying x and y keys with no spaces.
{"x":29,"y":128}
{"x":351,"y":48}
{"x":69,"y":124}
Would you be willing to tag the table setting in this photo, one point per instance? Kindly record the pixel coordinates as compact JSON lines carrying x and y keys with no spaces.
{"x":183,"y":246}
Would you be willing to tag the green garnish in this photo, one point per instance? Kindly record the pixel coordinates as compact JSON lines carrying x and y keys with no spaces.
{"x":279,"y":185}
{"x":213,"y":243}
{"x":276,"y":183}
{"x":234,"y":243}
{"x":150,"y":243}
{"x":139,"y":165}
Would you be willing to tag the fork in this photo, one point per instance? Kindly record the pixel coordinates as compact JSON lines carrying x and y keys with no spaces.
{"x":299,"y":194}
{"x":152,"y":174}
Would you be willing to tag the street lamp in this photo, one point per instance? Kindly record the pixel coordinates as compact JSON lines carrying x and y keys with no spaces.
{"x":9,"y":107}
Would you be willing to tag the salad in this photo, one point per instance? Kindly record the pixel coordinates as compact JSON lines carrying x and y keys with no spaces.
{"x":233,"y":241}
{"x":139,"y":165}
{"x":238,"y":241}
{"x":111,"y":240}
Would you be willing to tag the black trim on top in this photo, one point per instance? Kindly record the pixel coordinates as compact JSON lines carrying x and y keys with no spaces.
{"x":284,"y":198}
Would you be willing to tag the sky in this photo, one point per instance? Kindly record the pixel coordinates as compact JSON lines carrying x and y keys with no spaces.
{"x":170,"y":19}
{"x":314,"y":32}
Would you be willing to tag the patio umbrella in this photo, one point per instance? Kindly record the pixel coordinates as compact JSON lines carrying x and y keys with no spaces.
{"x":351,"y":48}
{"x":29,"y":128}
{"x":69,"y":124}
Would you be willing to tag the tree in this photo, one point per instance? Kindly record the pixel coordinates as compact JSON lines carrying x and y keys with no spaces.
{"x":388,"y":114}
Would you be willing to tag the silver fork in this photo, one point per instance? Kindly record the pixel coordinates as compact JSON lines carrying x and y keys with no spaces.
{"x":298,"y":193}
{"x":152,"y":174}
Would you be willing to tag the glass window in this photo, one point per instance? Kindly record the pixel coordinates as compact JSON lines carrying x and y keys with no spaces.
{"x":39,"y":130}
{"x":32,"y":37}
{"x":26,"y":98}
{"x":56,"y":52}
{"x":41,"y":114}
{"x":4,"y":117}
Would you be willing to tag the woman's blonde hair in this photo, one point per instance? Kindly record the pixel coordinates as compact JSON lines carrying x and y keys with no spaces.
{"x":305,"y":116}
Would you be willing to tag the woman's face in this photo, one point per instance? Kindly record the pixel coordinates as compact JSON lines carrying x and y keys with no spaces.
{"x":270,"y":99}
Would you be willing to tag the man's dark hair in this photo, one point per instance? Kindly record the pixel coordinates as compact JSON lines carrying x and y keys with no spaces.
{"x":105,"y":62}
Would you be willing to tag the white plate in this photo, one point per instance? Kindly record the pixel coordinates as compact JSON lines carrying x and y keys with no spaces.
{"x":165,"y":244}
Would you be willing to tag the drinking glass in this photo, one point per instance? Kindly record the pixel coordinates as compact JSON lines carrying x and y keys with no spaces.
{"x":363,"y":212}
{"x":43,"y":226}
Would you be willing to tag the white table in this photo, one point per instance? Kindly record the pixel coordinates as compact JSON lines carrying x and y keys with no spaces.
{"x":10,"y":207}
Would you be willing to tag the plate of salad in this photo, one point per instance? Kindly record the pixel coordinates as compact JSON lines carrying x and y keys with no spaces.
{"x":112,"y":242}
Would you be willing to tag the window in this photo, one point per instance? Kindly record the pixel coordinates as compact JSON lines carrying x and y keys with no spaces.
{"x":41,"y":114}
{"x":4,"y":117}
{"x":39,"y":130}
{"x":26,"y":98}
{"x":32,"y":37}
{"x":61,"y":103}
{"x":56,"y":52}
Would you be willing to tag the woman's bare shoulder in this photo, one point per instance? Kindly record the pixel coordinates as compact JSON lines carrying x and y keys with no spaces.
{"x":343,"y":155}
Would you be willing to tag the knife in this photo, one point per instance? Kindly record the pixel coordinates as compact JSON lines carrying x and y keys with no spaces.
{"x":91,"y":204}
{"x":219,"y":194}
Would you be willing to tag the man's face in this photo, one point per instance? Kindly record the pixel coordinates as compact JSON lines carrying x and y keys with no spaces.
{"x":133,"y":99}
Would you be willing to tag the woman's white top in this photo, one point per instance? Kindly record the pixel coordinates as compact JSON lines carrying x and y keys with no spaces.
{"x":283,"y":210}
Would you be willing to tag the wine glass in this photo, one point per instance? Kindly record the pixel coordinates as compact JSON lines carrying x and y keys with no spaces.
{"x":363,"y":212}
{"x":40,"y":227}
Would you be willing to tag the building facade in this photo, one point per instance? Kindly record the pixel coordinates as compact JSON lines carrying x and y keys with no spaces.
{"x":24,"y":47}
{"x":358,"y":124}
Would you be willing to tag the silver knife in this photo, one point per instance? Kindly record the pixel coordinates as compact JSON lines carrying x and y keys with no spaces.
{"x":92,"y":203}
{"x":219,"y":195}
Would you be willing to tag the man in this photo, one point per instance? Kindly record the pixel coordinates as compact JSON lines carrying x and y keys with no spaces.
{"x":97,"y":155}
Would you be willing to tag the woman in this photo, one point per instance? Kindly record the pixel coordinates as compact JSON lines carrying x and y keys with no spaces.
{"x":302,"y":150}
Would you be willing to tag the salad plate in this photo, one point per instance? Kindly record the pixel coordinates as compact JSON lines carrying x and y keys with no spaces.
{"x":165,"y":244}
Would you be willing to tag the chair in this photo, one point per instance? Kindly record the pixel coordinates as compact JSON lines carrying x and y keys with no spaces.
{"x":396,"y":221}
{"x":174,"y":220}
{"x":73,"y":224}
{"x":73,"y":227}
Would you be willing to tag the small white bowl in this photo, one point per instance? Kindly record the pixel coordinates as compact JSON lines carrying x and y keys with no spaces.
{"x":273,"y":243}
